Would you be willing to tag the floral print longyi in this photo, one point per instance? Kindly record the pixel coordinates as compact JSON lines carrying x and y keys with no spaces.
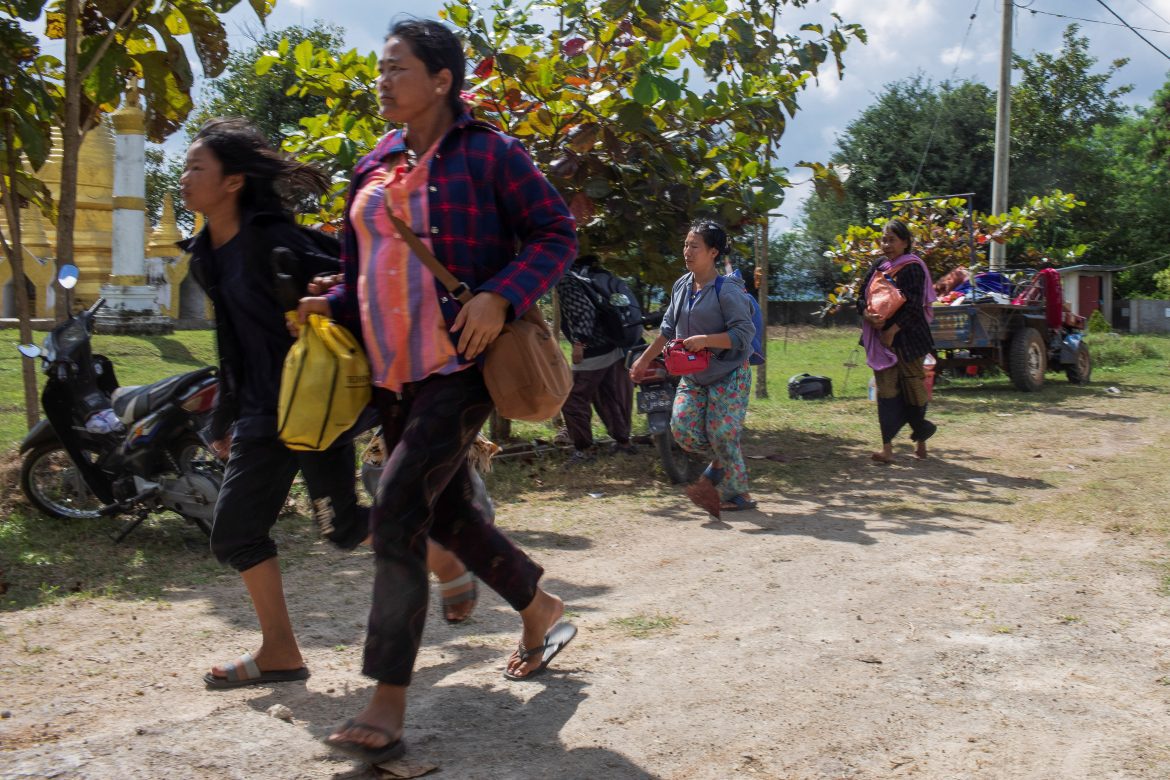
{"x":707,"y":421}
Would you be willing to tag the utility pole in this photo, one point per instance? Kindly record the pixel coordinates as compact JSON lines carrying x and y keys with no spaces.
{"x":1003,"y":131}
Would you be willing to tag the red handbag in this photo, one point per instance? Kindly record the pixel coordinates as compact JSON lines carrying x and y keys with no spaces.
{"x":680,"y":362}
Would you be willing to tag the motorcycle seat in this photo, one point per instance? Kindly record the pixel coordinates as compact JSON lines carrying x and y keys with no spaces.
{"x":135,"y":402}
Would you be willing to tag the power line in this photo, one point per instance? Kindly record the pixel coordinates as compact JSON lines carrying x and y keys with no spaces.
{"x":1151,"y":10}
{"x":1031,"y":10}
{"x":1135,"y":32}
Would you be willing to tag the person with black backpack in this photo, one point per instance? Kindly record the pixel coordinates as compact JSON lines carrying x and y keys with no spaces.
{"x":602,"y":320}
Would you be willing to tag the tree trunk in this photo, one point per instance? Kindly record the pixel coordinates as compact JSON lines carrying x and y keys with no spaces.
{"x":70,"y":148}
{"x":499,"y":428}
{"x":762,"y":296}
{"x":15,"y":251}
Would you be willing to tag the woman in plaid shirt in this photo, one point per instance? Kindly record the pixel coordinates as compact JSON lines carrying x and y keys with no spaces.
{"x":895,"y":348}
{"x":501,"y":229}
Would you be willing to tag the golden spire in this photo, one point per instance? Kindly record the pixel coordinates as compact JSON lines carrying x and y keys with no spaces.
{"x":162,"y":240}
{"x":129,"y":119}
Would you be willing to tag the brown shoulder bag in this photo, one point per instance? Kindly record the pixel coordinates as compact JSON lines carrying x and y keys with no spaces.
{"x":524,"y":369}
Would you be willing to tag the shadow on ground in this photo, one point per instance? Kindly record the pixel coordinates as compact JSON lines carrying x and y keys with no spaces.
{"x":444,"y":723}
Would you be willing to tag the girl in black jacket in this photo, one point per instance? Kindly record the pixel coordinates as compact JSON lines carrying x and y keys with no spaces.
{"x":232,"y":177}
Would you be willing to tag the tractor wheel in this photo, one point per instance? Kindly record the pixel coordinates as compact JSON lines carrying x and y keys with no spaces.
{"x":1027,"y":360}
{"x":1079,"y":372}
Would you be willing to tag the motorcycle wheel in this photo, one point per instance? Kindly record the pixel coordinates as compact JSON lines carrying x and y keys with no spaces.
{"x":191,"y":454}
{"x":674,"y":460}
{"x":54,"y":486}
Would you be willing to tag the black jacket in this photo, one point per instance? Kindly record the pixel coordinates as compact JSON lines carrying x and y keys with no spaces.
{"x":314,"y":253}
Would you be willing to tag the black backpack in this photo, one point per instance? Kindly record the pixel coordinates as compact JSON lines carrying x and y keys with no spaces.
{"x":619,"y":317}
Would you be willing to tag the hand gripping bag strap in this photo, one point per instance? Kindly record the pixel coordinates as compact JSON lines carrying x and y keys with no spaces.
{"x":324,"y":386}
{"x":524,"y":369}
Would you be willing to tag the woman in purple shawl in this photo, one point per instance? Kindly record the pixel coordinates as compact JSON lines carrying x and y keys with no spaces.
{"x":895,"y":347}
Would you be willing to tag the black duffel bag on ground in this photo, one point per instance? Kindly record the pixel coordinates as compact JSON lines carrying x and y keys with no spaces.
{"x":803,"y":387}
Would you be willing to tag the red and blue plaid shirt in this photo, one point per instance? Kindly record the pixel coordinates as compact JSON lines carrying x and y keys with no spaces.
{"x":497,"y":223}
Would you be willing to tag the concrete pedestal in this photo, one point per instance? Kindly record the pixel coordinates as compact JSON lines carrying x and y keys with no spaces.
{"x":132,"y":309}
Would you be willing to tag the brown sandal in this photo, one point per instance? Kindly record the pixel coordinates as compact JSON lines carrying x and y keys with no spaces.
{"x":703,"y":494}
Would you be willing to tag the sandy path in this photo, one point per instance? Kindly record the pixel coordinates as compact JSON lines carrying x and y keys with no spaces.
{"x":904,"y":624}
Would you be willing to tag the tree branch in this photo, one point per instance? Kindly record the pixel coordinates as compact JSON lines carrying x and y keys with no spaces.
{"x":109,"y":39}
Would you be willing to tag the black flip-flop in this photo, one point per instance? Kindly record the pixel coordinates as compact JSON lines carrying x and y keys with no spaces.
{"x":737,"y":504}
{"x":244,"y":671}
{"x":556,"y":640}
{"x":370,"y":755}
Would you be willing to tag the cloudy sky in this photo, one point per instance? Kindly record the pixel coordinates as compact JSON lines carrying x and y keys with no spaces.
{"x":937,"y":38}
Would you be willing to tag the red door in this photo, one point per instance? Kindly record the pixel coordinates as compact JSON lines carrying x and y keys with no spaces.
{"x":1089,"y":295}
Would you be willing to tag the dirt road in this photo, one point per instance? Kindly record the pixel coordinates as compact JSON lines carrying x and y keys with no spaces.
{"x":993,"y":612}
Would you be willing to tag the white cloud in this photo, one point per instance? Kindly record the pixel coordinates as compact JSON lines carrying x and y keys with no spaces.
{"x":955,"y":55}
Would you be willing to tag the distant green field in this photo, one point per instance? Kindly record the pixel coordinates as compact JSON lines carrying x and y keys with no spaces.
{"x":137,"y":360}
{"x":827,"y":352}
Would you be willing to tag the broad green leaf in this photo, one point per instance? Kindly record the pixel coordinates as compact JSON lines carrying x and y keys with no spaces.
{"x":265,"y":63}
{"x":644,"y":91}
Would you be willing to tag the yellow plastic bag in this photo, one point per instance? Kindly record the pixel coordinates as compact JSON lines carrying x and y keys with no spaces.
{"x":324,"y":386}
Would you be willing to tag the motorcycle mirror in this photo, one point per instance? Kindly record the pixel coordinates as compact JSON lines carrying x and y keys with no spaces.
{"x":67,"y":276}
{"x":29,"y":350}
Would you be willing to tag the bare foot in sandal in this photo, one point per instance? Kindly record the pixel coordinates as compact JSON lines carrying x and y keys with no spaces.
{"x":885,"y":456}
{"x":920,"y":451}
{"x":458,"y":597}
{"x":457,"y":587}
{"x":374,"y":735}
{"x":539,"y":618}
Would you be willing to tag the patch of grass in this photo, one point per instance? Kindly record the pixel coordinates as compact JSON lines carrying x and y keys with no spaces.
{"x":1004,"y":629}
{"x":641,"y":626}
{"x":45,"y":561}
{"x":1070,"y":619}
{"x":1110,"y":350}
{"x":137,"y":360}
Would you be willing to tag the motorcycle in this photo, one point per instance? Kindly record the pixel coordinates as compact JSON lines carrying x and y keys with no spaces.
{"x":105,"y":450}
{"x":655,"y":399}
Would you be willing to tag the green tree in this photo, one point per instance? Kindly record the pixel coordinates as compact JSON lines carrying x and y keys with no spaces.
{"x":919,"y":136}
{"x":265,"y":100}
{"x":602,"y":93}
{"x":1140,"y":167}
{"x":1057,"y":104}
{"x":798,"y":269}
{"x":28,"y":104}
{"x":916,"y":135}
{"x":240,"y":91}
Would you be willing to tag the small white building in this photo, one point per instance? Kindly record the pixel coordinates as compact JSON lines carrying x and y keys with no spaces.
{"x":1088,"y":288}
